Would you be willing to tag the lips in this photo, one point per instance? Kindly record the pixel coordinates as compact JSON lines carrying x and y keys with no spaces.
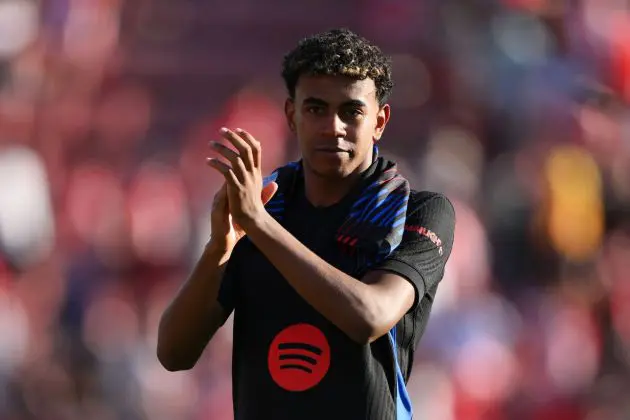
{"x":331,"y":150}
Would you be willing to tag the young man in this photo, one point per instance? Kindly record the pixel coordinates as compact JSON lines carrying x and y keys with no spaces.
{"x":331,"y":263}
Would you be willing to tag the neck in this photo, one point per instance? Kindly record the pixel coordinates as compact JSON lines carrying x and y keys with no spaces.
{"x":323,"y":191}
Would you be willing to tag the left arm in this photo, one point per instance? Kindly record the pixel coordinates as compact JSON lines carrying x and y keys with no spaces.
{"x":367,"y":309}
{"x":364,"y":310}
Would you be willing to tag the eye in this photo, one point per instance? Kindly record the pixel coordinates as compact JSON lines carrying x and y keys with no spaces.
{"x":314,"y":109}
{"x":353,"y":113}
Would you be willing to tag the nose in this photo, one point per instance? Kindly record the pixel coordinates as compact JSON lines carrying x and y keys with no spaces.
{"x":333,"y":126}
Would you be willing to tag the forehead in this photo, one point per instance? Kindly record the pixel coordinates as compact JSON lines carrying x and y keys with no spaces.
{"x":335,"y":89}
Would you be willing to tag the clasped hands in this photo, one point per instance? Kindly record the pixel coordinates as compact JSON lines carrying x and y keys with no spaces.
{"x":240,"y":202}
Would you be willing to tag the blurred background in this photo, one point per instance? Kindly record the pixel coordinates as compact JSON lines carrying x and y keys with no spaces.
{"x":518,"y":110}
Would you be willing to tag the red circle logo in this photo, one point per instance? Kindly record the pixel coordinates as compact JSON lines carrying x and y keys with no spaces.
{"x":299,"y":357}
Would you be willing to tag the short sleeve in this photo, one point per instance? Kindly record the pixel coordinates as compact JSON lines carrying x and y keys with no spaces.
{"x":426,"y":244}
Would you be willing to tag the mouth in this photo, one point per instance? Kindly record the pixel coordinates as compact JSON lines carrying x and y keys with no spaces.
{"x":331,"y":149}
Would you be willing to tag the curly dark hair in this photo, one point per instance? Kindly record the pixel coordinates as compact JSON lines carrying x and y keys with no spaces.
{"x":339,"y":52}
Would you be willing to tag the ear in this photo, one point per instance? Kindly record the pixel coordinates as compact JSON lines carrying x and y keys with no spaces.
{"x":382,"y":118}
{"x":289,"y":112}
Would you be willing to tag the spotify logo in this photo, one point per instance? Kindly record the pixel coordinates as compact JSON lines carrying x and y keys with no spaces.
{"x":299,"y":357}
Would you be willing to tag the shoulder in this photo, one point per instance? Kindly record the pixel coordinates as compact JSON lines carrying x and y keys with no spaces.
{"x":430,"y":219}
{"x":423,"y":202}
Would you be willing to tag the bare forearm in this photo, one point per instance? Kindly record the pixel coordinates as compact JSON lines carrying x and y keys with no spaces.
{"x":194,"y":315}
{"x":345,"y":301}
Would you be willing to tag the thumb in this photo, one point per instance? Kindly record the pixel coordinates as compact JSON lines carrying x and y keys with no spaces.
{"x":220,"y":197}
{"x":268,"y":192}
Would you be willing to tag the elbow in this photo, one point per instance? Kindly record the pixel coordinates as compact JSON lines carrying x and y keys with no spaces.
{"x":364,"y":335}
{"x":368,"y":328}
{"x":175,"y":367}
{"x":378,"y":316}
{"x":167,"y":354}
{"x":170,"y":361}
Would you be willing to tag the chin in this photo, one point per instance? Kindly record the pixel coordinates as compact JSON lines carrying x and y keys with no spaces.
{"x":332,"y":173}
{"x":330,"y":169}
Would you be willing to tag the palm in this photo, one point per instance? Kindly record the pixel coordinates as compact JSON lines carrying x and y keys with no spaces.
{"x":236,"y":232}
{"x":224,"y":230}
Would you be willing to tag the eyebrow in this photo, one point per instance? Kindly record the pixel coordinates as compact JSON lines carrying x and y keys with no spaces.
{"x":352,"y":102}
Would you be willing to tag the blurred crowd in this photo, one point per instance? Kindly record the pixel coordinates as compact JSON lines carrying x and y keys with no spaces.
{"x":518,"y":110}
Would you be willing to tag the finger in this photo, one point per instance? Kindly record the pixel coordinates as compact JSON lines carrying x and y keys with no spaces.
{"x":225,"y":170}
{"x":220,"y":205}
{"x":253,"y":144}
{"x":221,"y":196}
{"x":241,"y":145}
{"x":219,"y":165}
{"x":236,"y":163}
{"x":224,"y":151}
{"x":240,"y":170}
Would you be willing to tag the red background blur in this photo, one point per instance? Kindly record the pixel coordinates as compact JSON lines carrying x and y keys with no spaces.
{"x":518,"y":110}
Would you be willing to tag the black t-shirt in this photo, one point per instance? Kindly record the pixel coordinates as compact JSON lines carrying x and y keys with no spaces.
{"x":289,"y":361}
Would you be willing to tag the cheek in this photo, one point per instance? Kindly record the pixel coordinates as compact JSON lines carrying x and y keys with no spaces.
{"x":365,"y":130}
{"x":303,"y":122}
{"x":303,"y":127}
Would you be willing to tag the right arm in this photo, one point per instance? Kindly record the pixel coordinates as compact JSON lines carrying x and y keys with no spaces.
{"x":194,"y":316}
